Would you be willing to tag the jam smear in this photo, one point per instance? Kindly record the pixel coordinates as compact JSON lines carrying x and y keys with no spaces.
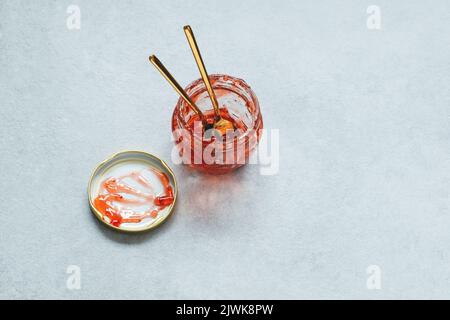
{"x":119,"y":202}
{"x":210,"y":117}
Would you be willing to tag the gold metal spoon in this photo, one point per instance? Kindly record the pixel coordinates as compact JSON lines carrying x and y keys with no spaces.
{"x":166,"y":74}
{"x":220,"y":124}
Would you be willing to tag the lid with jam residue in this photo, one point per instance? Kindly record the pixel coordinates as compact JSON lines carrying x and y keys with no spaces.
{"x":132,"y":191}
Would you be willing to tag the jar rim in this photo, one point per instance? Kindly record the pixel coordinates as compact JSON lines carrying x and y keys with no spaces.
{"x":242,"y":89}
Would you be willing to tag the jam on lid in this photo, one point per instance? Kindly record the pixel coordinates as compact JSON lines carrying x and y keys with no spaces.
{"x":132,"y":191}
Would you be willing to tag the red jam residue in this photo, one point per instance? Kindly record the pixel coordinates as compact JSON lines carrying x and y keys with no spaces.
{"x":210,"y":117}
{"x":120,"y":202}
{"x":219,"y":151}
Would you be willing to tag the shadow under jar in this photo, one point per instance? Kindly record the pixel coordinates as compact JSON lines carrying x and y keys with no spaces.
{"x":218,"y":154}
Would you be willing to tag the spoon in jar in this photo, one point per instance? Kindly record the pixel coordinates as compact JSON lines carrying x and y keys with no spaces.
{"x":220,"y":124}
{"x":166,"y":74}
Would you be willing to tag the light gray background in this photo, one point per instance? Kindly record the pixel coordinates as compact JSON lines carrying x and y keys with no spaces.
{"x":364,"y":149}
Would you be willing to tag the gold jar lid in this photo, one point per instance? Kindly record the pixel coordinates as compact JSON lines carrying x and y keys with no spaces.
{"x":132,"y":177}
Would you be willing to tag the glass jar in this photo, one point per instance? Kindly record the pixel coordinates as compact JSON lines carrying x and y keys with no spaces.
{"x":217,"y":153}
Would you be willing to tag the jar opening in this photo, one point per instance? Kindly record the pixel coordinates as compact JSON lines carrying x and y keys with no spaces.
{"x":237,"y":103}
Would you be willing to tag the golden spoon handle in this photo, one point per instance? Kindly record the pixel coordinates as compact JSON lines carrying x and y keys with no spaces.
{"x":166,"y":74}
{"x":201,"y":67}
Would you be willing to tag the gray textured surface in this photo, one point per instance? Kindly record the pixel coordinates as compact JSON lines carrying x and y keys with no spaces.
{"x":365,"y":135}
